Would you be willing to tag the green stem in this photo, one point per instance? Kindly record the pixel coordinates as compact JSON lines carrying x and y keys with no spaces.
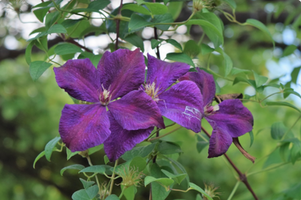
{"x":267,"y":169}
{"x":112,"y":177}
{"x":96,"y":178}
{"x":161,"y":136}
{"x":234,"y":190}
{"x":269,"y":96}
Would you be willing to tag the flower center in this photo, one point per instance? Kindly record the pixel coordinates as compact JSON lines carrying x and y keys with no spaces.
{"x":152,"y":91}
{"x":209,"y":109}
{"x":105,"y":96}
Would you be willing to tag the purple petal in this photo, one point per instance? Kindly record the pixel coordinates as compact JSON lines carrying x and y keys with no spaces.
{"x":182,"y":103}
{"x":164,"y":74}
{"x":232,"y":117}
{"x":219,"y":142}
{"x":136,"y":110}
{"x":122,"y":140}
{"x":204,"y":81}
{"x":79,"y":79}
{"x":122,"y":71}
{"x":84,"y":126}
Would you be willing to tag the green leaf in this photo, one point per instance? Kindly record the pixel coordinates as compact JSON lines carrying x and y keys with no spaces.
{"x":98,"y":5}
{"x":289,"y":50}
{"x":168,"y":148}
{"x":242,"y":79}
{"x":93,"y":58}
{"x":289,"y":91}
{"x":38,"y":158}
{"x":112,"y":197}
{"x":273,"y":158}
{"x":70,"y":154}
{"x":165,"y":18}
{"x":51,"y":18}
{"x":200,"y":190}
{"x":28,"y":52}
{"x":231,"y":3}
{"x":214,"y":34}
{"x":191,"y":48}
{"x":180,"y":57}
{"x":136,"y":8}
{"x":106,"y":159}
{"x":86,"y":184}
{"x":159,"y":192}
{"x":228,"y":64}
{"x":139,"y":163}
{"x":164,"y":181}
{"x":206,"y":49}
{"x":95,"y":149}
{"x":85,"y":194}
{"x":278,"y":129}
{"x":156,"y":8}
{"x":40,"y":13}
{"x":297,"y":23}
{"x":155,"y":43}
{"x":235,"y":71}
{"x":75,"y":166}
{"x":50,"y":146}
{"x":100,"y":169}
{"x":201,"y":143}
{"x":295,"y":74}
{"x":66,"y":48}
{"x":261,"y":27}
{"x":251,"y":138}
{"x":70,"y":22}
{"x":282,"y":103}
{"x":175,"y":8}
{"x":135,"y":40}
{"x":174,"y":43}
{"x":37,"y":68}
{"x":137,"y":22}
{"x":177,"y":178}
{"x":139,"y":151}
{"x":259,"y":80}
{"x":130,"y":192}
{"x":57,"y":28}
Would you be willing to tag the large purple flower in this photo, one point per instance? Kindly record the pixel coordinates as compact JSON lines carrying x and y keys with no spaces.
{"x":118,"y":74}
{"x":229,"y":119}
{"x":180,"y":103}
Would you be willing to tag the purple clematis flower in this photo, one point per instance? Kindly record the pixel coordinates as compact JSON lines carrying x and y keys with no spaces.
{"x":118,"y":74}
{"x":180,"y":103}
{"x":229,"y":119}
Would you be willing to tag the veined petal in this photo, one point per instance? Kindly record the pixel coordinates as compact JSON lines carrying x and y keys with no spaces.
{"x":219,"y":142}
{"x":182,"y":103}
{"x":121,"y":71}
{"x":232,"y":117}
{"x":204,"y":81}
{"x":84,"y":126}
{"x":135,"y":111}
{"x":122,"y":140}
{"x":164,"y":74}
{"x":79,"y":79}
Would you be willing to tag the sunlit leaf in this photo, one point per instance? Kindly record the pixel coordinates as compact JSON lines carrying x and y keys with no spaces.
{"x":180,"y":57}
{"x":37,"y":68}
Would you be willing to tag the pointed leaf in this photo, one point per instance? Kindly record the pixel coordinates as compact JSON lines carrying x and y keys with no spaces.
{"x":50,"y":146}
{"x":260,"y":26}
{"x":180,"y":57}
{"x":200,"y":190}
{"x":38,"y":158}
{"x":75,"y":166}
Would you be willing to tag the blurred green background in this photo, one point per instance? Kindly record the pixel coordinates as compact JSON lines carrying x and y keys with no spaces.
{"x":30,"y":111}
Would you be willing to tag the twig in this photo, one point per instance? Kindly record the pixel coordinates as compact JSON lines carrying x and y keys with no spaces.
{"x":118,"y":25}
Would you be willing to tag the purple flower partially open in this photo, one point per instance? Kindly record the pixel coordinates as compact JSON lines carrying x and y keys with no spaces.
{"x":182,"y":102}
{"x":118,"y":74}
{"x":229,"y":119}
